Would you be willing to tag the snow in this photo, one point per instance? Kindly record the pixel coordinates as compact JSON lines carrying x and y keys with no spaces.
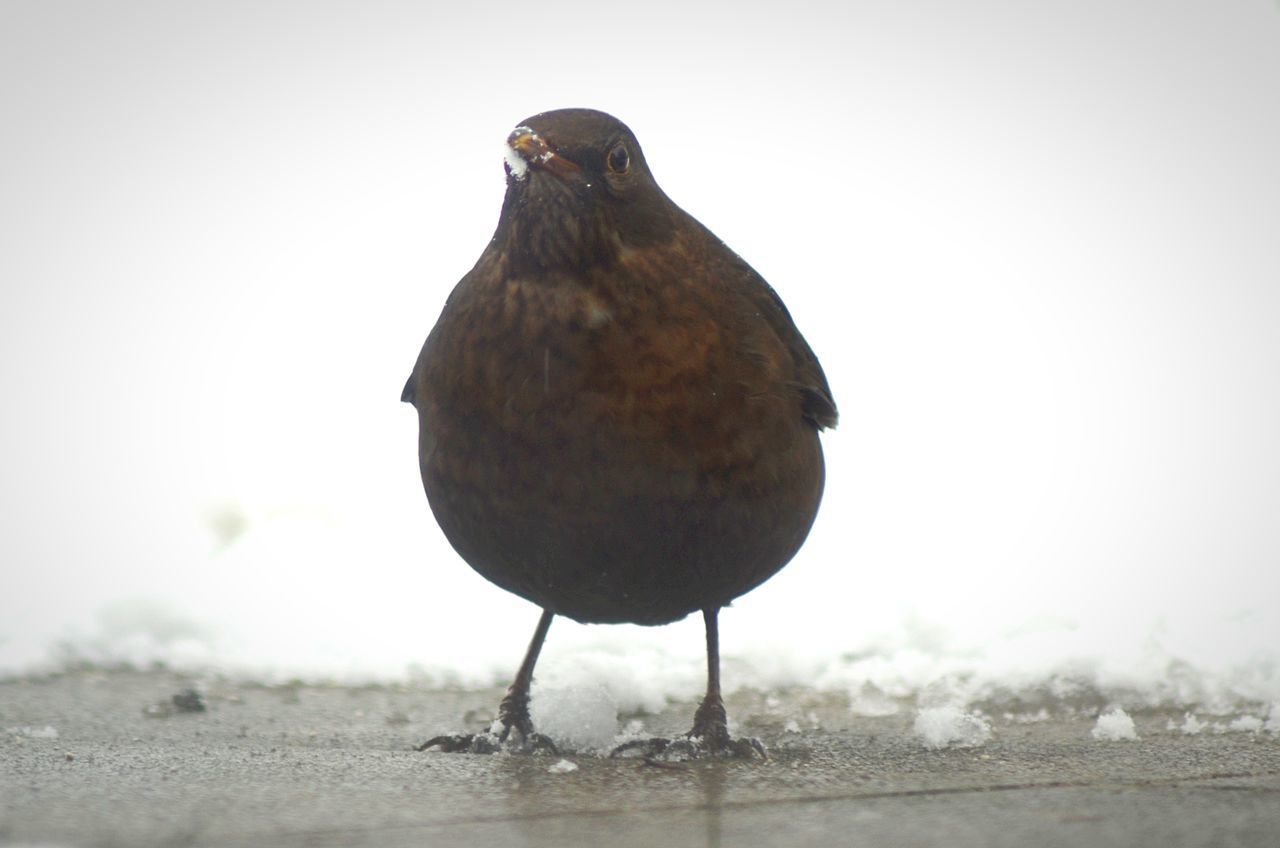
{"x":1191,"y":726}
{"x":46,"y":732}
{"x":880,"y":668}
{"x":1039,"y":715}
{"x":226,"y":617}
{"x":582,"y":718}
{"x":1246,"y":724}
{"x":951,"y":727}
{"x":869,"y":701}
{"x":1114,"y":725}
{"x":562,"y":767}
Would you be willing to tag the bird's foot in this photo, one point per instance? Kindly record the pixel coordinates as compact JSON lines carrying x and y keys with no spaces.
{"x":492,"y":741}
{"x":511,"y":731}
{"x":462,"y":743}
{"x":691,"y":748}
{"x":708,"y":738}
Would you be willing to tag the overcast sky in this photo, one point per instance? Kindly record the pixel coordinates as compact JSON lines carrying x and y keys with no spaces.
{"x":1035,"y":245}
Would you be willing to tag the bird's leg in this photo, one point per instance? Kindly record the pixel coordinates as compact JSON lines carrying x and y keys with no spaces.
{"x":710,"y":724}
{"x":513,"y":712}
{"x":710,"y":733}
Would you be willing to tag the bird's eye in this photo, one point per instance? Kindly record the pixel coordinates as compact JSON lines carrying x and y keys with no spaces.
{"x":619,"y":159}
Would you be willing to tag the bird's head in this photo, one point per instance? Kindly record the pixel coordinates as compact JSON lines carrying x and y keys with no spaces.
{"x":579,"y":191}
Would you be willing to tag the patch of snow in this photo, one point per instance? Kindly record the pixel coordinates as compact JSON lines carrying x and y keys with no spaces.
{"x":46,"y":732}
{"x":1113,"y":726}
{"x":579,"y":718}
{"x":1243,"y":724}
{"x":1064,"y":661}
{"x":1191,"y":725}
{"x":640,"y":679}
{"x":1246,"y":724}
{"x":870,"y":702}
{"x":634,"y":729}
{"x":562,"y":767}
{"x":951,"y":726}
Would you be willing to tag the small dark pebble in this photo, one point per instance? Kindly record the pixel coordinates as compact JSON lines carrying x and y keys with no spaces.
{"x":189,"y":701}
{"x":186,"y":701}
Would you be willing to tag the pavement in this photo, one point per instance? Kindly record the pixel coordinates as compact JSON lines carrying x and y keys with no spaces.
{"x":94,"y":758}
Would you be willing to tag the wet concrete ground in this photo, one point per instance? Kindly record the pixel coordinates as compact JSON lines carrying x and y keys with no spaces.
{"x":334,"y":766}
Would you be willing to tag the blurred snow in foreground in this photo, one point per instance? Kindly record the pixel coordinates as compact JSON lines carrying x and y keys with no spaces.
{"x":301,"y":595}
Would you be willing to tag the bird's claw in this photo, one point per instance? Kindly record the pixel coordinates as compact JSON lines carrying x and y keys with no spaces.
{"x":534,"y":743}
{"x":709,"y":738}
{"x":511,"y":731}
{"x":690,"y":747}
{"x":512,"y":740}
{"x":457,"y":743}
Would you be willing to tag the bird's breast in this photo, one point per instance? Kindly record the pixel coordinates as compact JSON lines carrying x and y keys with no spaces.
{"x":637,"y":376}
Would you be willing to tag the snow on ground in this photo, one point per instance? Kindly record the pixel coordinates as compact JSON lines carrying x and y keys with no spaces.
{"x":562,"y":767}
{"x":1191,"y":726}
{"x":1113,"y":726}
{"x":46,"y":732}
{"x":951,"y":727}
{"x":279,"y":632}
{"x":1246,"y":724}
{"x":582,"y":718}
{"x":302,"y":594}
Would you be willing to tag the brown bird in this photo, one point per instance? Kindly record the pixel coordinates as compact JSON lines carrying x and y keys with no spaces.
{"x":618,"y":418}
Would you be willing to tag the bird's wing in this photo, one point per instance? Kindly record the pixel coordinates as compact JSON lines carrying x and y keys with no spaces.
{"x":406,"y":396}
{"x":816,"y":403}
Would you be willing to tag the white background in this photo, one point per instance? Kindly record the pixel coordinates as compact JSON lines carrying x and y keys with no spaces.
{"x":1036,"y":246}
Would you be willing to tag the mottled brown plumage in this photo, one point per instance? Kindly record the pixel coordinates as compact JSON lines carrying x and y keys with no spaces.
{"x":618,"y":418}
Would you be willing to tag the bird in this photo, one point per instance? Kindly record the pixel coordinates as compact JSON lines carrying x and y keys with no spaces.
{"x":618,"y":418}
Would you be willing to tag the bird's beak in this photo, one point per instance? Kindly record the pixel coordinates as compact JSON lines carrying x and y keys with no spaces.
{"x":532,"y":151}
